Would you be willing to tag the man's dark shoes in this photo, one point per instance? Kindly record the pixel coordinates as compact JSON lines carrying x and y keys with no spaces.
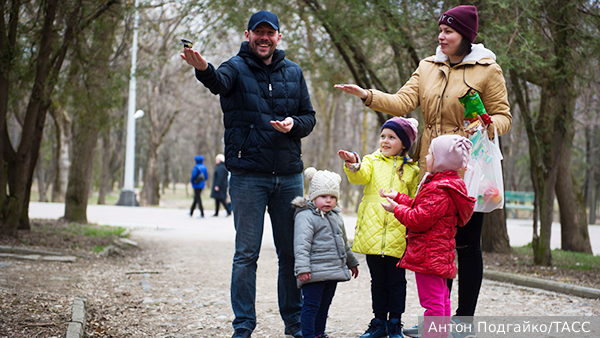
{"x":294,"y":331}
{"x":241,"y":333}
{"x":377,"y":328}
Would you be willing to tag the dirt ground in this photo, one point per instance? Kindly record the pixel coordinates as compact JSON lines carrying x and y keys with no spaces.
{"x":175,"y":284}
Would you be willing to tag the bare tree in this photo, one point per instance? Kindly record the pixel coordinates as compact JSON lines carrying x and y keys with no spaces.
{"x":51,"y":47}
{"x":544,"y":48}
{"x":92,"y":86}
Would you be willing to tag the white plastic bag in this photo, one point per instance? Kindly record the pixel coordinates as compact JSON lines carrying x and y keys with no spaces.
{"x":483,"y":176}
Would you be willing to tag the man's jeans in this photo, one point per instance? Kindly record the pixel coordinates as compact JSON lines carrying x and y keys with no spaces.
{"x":250,"y":194}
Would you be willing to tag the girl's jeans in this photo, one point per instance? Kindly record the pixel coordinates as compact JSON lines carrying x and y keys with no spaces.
{"x":317,"y":299}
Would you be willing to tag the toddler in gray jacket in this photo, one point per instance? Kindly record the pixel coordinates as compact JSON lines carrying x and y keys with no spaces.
{"x":323,"y":256}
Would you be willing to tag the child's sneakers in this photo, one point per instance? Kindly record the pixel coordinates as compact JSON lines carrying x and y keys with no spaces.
{"x":395,"y":328}
{"x":377,"y":328}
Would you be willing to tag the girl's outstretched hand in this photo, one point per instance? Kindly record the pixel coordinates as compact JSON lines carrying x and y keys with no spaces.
{"x":391,"y":206}
{"x":347,"y":156}
{"x":391,"y":195}
{"x":352,"y":89}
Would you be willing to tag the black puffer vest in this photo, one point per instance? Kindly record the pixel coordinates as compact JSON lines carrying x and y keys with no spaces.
{"x":252,"y":95}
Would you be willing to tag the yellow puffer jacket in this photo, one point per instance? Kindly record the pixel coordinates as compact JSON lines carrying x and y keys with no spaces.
{"x":435,"y":87}
{"x":377,"y":231}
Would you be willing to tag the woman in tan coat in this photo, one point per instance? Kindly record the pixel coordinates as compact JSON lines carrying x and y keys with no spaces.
{"x":457,"y":67}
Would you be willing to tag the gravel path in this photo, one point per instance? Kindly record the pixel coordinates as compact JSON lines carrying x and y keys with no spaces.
{"x":192,"y":294}
{"x":176,"y":284}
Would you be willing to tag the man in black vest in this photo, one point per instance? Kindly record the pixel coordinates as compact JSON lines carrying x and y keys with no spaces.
{"x":266,"y":112}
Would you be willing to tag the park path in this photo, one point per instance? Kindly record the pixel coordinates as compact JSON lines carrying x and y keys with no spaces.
{"x":189,"y":297}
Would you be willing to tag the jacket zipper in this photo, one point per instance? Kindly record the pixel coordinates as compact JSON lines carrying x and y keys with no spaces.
{"x":385,"y":221}
{"x":272,"y":117}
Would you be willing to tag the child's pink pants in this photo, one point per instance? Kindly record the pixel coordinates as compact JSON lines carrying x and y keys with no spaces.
{"x":434,"y":297}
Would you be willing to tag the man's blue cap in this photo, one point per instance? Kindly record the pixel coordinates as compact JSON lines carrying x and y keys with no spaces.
{"x":263,"y":16}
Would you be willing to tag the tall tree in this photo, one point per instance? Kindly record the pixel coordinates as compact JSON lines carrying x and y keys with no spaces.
{"x":95,"y":93}
{"x":542,"y":46}
{"x":48,"y":29}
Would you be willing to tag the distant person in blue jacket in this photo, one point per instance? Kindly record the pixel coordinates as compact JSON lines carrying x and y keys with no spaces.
{"x":198,"y":179}
{"x":266,"y":112}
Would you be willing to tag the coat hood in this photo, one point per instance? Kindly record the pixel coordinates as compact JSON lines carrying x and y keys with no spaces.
{"x":300,"y":203}
{"x":199,"y":159}
{"x":464,"y":202}
{"x":478,"y":52}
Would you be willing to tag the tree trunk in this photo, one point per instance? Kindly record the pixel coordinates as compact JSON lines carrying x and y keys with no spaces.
{"x":573,"y":217}
{"x":541,"y":241}
{"x":494,"y":236}
{"x":41,"y":182}
{"x":20,"y":163}
{"x":80,"y":174}
{"x":591,"y":141}
{"x":104,"y":174}
{"x":151,"y":189}
{"x":116,"y":161}
{"x":62,"y":122}
{"x":545,"y":142}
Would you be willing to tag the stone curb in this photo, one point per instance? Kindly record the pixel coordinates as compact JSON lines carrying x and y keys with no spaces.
{"x":76,"y":326}
{"x":543,"y":284}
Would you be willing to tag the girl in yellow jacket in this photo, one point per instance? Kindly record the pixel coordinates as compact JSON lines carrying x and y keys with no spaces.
{"x":457,"y":67}
{"x":379,"y":235}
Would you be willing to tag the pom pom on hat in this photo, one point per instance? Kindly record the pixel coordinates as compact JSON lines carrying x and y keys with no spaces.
{"x":322,"y":182}
{"x":450,"y":152}
{"x":405,"y":129}
{"x":462,"y":19}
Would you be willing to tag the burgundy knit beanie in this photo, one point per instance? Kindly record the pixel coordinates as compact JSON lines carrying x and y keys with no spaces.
{"x":405,"y":129}
{"x":450,"y":152}
{"x":462,"y":19}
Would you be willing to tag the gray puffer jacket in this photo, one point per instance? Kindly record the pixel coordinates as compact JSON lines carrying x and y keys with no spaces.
{"x":320,"y":244}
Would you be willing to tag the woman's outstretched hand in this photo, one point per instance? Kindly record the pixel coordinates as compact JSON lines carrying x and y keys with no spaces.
{"x":352,"y":89}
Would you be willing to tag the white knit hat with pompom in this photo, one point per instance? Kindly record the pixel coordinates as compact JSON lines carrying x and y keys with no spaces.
{"x":322,"y":182}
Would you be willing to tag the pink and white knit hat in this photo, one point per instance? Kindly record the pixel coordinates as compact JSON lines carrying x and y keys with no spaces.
{"x":450,"y":152}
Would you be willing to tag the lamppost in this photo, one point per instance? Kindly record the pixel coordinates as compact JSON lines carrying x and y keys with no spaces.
{"x":127,"y":196}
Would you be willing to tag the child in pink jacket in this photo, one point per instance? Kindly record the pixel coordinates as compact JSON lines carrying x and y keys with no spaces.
{"x":431,"y":220}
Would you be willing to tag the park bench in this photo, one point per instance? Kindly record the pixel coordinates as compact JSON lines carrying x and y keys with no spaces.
{"x":518,"y":200}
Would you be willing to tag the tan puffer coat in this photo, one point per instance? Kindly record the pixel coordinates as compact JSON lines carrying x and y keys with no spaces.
{"x":377,"y":231}
{"x":435,"y":87}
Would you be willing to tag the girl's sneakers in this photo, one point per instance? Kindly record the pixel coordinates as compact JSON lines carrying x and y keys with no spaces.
{"x":395,"y":328}
{"x":377,"y":328}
